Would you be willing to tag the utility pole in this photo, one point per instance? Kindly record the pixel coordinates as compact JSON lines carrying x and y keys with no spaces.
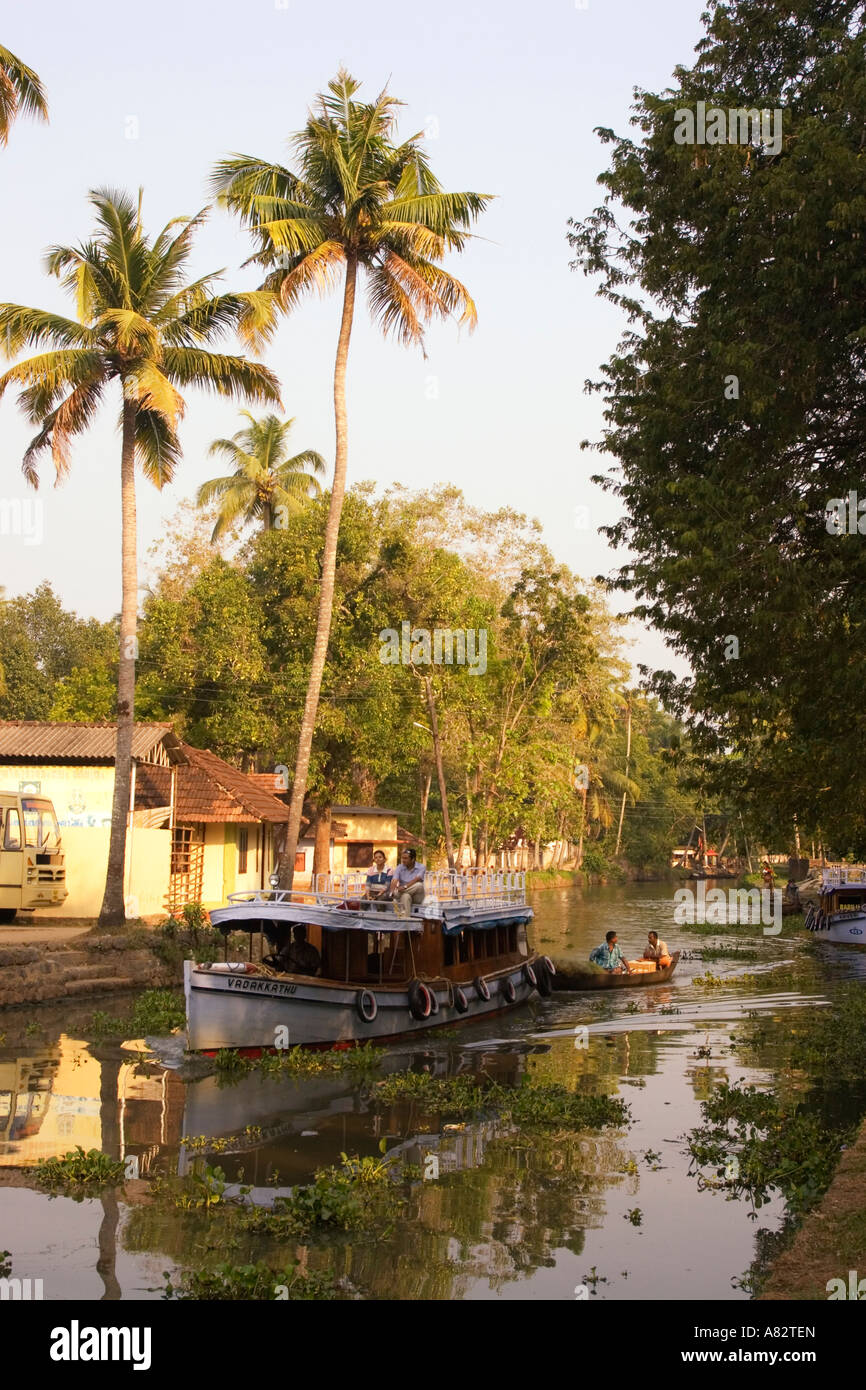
{"x":627,"y":761}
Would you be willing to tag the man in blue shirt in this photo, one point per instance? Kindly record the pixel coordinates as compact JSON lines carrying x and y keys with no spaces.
{"x":407,"y":882}
{"x":609,"y":956}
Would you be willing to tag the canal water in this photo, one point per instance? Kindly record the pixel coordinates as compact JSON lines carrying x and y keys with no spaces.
{"x":617,"y":1214}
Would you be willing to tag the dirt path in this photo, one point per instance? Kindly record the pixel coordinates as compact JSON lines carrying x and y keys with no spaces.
{"x":832,"y":1240}
{"x":25,"y":934}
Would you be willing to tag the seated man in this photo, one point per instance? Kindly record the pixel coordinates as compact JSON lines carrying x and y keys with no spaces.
{"x":379,"y":879}
{"x":298,"y":957}
{"x":656,"y":948}
{"x":608,"y":955}
{"x":407,"y":883}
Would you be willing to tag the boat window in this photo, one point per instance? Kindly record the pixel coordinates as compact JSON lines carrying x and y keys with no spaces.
{"x":448,"y":950}
{"x":12,"y":839}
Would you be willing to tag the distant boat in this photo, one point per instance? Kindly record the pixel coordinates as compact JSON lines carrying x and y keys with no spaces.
{"x":463,"y":954}
{"x":579,"y":977}
{"x":840,"y":915}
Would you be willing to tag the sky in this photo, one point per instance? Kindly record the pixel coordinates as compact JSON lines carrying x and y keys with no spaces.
{"x":508,"y":95}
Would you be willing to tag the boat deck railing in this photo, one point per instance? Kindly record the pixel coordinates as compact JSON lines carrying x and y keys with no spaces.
{"x":481,"y":889}
{"x":490,"y":887}
{"x":839,"y":875}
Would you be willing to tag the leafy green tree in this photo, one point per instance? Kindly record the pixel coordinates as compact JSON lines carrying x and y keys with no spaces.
{"x":43,"y":649}
{"x":21,"y":93}
{"x":735,"y":404}
{"x":357,"y":201}
{"x":266,"y":484}
{"x":143,"y":329}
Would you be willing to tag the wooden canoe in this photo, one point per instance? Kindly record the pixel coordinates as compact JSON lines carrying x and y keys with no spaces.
{"x":574,"y":978}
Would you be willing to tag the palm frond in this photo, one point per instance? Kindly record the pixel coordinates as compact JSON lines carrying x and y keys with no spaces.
{"x":22,"y":327}
{"x":21,"y":93}
{"x":157,"y":447}
{"x":235,"y":377}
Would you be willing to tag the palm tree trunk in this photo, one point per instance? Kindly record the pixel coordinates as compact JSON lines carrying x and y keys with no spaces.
{"x":326,"y":590}
{"x":440,"y":769}
{"x":112,"y":913}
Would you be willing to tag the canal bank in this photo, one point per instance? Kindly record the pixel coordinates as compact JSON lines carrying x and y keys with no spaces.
{"x":831,"y":1243}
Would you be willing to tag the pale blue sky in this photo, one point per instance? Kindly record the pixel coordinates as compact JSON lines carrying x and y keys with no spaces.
{"x":511,"y":94}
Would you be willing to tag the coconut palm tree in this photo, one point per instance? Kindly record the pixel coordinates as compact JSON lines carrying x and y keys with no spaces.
{"x":143,"y":329}
{"x":21,"y":93}
{"x":265,"y":482}
{"x":356,"y":201}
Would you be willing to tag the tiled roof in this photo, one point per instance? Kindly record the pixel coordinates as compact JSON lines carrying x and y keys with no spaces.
{"x":209,"y":789}
{"x":28,"y":738}
{"x":206,"y":789}
{"x":365,"y":811}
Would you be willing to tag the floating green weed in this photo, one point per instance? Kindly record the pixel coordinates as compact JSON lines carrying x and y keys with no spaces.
{"x":541,"y":1104}
{"x":299,"y":1061}
{"x":80,"y":1169}
{"x":234,"y":1283}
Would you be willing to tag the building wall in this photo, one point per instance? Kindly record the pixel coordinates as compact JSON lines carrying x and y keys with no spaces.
{"x":82,"y":795}
{"x":380,"y":830}
{"x":148,"y":854}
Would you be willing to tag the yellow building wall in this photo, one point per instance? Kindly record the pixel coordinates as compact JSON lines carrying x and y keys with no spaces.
{"x":381,"y":830}
{"x":148,"y":855}
{"x":82,"y":796}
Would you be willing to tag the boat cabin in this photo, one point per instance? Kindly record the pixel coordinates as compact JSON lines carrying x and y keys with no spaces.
{"x":466,"y":925}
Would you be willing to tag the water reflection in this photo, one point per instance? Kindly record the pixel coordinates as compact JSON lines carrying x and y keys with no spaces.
{"x":504,"y":1216}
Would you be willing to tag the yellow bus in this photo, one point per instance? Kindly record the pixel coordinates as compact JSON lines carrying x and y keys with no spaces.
{"x":32,"y":871}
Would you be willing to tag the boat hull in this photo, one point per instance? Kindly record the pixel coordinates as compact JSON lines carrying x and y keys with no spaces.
{"x":849,"y":930}
{"x":237,"y":1009}
{"x":609,"y":979}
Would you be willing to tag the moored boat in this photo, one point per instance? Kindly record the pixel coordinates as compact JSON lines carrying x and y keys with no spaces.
{"x":579,"y":977}
{"x":461,"y":954}
{"x":840,"y":914}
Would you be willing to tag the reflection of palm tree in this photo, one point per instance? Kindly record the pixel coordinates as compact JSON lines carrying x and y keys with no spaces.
{"x":109,"y":1071}
{"x":265,"y":481}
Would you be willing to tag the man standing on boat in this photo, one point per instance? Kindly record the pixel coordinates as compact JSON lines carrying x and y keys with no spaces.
{"x":608,"y":955}
{"x":407,"y":883}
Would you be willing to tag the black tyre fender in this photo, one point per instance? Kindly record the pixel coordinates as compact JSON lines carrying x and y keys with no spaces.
{"x":365,"y":1003}
{"x":543,"y":976}
{"x":507,"y":990}
{"x":482,"y":989}
{"x":434,"y":1000}
{"x":420,"y":1004}
{"x":461,"y":1003}
{"x":530,"y":976}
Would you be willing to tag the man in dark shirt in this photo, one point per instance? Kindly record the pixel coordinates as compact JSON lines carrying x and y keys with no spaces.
{"x":299,"y":958}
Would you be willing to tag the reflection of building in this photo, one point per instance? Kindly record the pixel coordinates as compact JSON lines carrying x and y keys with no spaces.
{"x":25,"y":1084}
{"x":58,"y":1092}
{"x":53,"y":1100}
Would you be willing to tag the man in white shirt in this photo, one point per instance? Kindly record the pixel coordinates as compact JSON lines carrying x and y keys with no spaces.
{"x":656,"y":948}
{"x":407,"y":883}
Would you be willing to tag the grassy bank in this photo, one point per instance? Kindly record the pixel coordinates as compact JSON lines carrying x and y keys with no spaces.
{"x":832,"y":1239}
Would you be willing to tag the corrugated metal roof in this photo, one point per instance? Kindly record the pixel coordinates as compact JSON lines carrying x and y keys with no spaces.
{"x":365,"y":811}
{"x":28,"y":738}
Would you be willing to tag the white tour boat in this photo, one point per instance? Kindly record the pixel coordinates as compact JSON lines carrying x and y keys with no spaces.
{"x":841,"y":912}
{"x":462,"y":954}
